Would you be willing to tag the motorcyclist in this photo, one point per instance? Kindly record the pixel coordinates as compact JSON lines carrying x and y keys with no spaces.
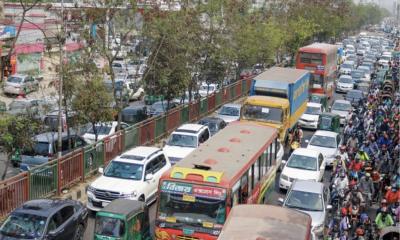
{"x":376,"y":180}
{"x":352,"y":142}
{"x":338,"y":165}
{"x":366,"y":187}
{"x":392,"y":195}
{"x":362,"y":155}
{"x":383,"y":219}
{"x":342,"y":182}
{"x":349,"y":129}
{"x":354,"y":198}
{"x":366,"y":148}
{"x":356,"y":165}
{"x":343,"y":154}
{"x":384,"y":140}
{"x":344,"y":224}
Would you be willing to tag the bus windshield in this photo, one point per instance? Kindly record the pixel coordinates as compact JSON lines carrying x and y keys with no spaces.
{"x":260,"y":113}
{"x":194,"y":205}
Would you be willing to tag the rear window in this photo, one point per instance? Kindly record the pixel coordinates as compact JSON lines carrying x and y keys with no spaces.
{"x":39,"y":148}
{"x":13,"y":79}
{"x":312,"y":58}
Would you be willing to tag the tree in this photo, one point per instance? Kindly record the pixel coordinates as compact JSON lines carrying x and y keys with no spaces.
{"x":94,"y":102}
{"x":16,"y":133}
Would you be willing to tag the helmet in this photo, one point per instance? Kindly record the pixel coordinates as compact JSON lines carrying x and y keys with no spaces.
{"x":343,"y":211}
{"x":367,"y":174}
{"x":343,"y":147}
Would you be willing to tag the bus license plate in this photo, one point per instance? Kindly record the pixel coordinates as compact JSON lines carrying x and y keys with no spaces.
{"x":188,"y":231}
{"x":188,"y":198}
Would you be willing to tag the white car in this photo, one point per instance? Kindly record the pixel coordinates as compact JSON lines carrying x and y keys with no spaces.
{"x":342,"y":108}
{"x":303,"y":164}
{"x":229,"y":112}
{"x":207,"y":89}
{"x":185,"y":140}
{"x":347,"y":67}
{"x":103,"y":130}
{"x":310,"y":117}
{"x":344,"y":84}
{"x":327,"y":143}
{"x":133,"y":175}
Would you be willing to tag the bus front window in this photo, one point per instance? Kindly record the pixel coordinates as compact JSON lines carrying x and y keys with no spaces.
{"x":181,"y":208}
{"x":260,"y":113}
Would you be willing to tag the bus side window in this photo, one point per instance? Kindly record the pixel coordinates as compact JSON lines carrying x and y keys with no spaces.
{"x":261,"y":159}
{"x":244,"y":189}
{"x":274,"y":152}
{"x":257,"y":170}
{"x":269,"y":154}
{"x":236,"y":193}
{"x":251,"y":178}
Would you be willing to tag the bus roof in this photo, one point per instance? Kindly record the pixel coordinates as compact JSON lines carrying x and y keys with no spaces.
{"x":227,"y":154}
{"x":249,"y":221}
{"x":279,"y":74}
{"x":323,"y":48}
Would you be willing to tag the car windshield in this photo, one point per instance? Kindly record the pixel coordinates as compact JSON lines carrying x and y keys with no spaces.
{"x":110,"y":227}
{"x":213,"y":126}
{"x":339,"y":106}
{"x":24,"y":226}
{"x":14,"y":79}
{"x":346,"y":65}
{"x":345,"y":80}
{"x":302,"y":162}
{"x":159,"y":106}
{"x":39,"y":148}
{"x":124,"y":170}
{"x":183,"y":204}
{"x":354,"y":94}
{"x":260,"y":113}
{"x":306,"y":201}
{"x":182,"y":140}
{"x":101,"y":129}
{"x":323,"y":141}
{"x":19,"y":105}
{"x":229,"y":111}
{"x":326,"y":122}
{"x":357,"y":74}
{"x":313,"y":110}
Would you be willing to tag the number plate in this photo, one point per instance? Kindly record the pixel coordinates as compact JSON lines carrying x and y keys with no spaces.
{"x":104,"y":204}
{"x":188,"y":198}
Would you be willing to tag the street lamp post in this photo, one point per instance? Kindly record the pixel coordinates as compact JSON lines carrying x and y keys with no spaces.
{"x":60,"y":84}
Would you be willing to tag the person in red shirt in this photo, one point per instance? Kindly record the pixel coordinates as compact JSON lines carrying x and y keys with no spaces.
{"x":356,"y":165}
{"x":392,"y":195}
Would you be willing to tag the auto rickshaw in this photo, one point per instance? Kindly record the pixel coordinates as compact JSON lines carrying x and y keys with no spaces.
{"x":329,"y":122}
{"x":123,"y":219}
{"x":3,"y":107}
{"x":320,"y":98}
{"x":390,"y":233}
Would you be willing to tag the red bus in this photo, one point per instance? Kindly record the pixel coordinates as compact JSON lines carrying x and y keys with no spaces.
{"x":236,"y":166}
{"x":321,"y":60}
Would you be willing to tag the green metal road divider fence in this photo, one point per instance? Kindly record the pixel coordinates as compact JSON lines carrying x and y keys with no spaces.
{"x":51,"y":178}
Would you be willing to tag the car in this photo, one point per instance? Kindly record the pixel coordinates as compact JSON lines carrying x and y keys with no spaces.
{"x":134,"y":114}
{"x":23,"y":107}
{"x":367,"y":73}
{"x":20,"y":84}
{"x":357,"y":75}
{"x":305,"y":164}
{"x":50,"y":120}
{"x":312,"y":198}
{"x":344,"y":84}
{"x":364,"y":87}
{"x":161,"y":107}
{"x":310,"y":117}
{"x":185,"y":140}
{"x":44,"y":219}
{"x":103,"y":130}
{"x":229,"y":112}
{"x":347,"y":67}
{"x":246,"y":73}
{"x":214,"y":124}
{"x":119,"y":67}
{"x":45,"y":148}
{"x":354,"y":97}
{"x":133,"y":175}
{"x":327,"y":143}
{"x":207,"y":89}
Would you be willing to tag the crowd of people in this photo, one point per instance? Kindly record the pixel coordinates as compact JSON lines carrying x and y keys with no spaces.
{"x":365,"y":180}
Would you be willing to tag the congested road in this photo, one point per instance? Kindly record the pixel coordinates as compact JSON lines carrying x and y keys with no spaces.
{"x":273,"y":199}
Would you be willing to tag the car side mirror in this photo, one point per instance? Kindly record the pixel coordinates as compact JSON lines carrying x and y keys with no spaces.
{"x":329,"y":207}
{"x":284,"y":162}
{"x":101,"y":170}
{"x":51,"y":235}
{"x":149,"y":177}
{"x":280,"y":200}
{"x":307,"y":141}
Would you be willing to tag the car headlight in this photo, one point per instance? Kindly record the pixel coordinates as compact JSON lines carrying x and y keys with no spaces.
{"x":130,"y":195}
{"x":284,"y":177}
{"x":91,"y":189}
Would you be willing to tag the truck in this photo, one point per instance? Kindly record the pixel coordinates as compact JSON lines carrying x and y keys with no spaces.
{"x":278,"y":98}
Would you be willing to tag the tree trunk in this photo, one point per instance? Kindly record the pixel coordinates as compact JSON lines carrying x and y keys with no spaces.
{"x":7,"y":162}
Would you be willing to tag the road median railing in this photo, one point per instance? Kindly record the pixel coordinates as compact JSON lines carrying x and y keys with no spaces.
{"x":52,"y":178}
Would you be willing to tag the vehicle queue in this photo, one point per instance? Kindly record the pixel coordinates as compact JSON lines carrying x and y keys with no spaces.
{"x":237,"y":165}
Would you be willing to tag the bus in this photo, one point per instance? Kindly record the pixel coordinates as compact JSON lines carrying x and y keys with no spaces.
{"x":321,"y":60}
{"x":238,"y":165}
{"x":250,"y":221}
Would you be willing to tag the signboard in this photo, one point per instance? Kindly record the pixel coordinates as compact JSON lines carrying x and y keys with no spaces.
{"x":191,"y":191}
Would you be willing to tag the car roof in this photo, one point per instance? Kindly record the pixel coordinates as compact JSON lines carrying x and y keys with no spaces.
{"x":190,"y":128}
{"x":307,"y":186}
{"x":313,"y":104}
{"x":212,"y":119}
{"x":138,"y":154}
{"x":345,"y":76}
{"x":306,"y":152}
{"x":125,"y":207}
{"x":325,"y":133}
{"x":43,"y":207}
{"x":342,"y":101}
{"x":235,"y":105}
{"x":48,"y":136}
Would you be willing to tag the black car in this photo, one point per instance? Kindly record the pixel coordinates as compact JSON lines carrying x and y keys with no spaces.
{"x":213,"y":123}
{"x":46,"y":219}
{"x":354,"y":96}
{"x":134,"y":114}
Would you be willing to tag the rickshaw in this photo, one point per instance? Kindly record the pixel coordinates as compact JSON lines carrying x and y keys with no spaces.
{"x":3,"y":107}
{"x":329,"y":122}
{"x":320,"y":98}
{"x":123,"y":219}
{"x":390,"y":233}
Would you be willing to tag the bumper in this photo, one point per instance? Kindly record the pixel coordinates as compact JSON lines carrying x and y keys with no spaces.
{"x":305,"y":124}
{"x":284,"y":184}
{"x":95,"y":204}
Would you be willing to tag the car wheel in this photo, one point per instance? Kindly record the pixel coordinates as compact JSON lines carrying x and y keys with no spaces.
{"x":79,"y":233}
{"x":15,"y":164}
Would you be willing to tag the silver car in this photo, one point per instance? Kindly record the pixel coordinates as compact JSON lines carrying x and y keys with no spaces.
{"x":312,"y":198}
{"x":20,"y":84}
{"x":229,"y":112}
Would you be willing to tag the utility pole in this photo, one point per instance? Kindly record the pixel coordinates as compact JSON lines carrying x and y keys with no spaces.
{"x":60,"y":83}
